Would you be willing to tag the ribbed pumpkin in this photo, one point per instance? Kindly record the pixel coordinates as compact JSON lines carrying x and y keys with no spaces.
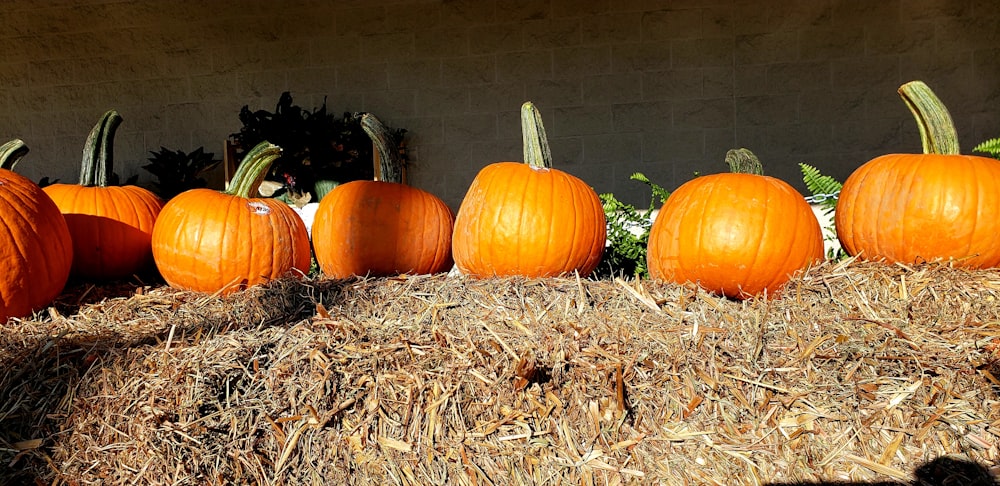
{"x":935,"y":206}
{"x":736,"y":234}
{"x":36,"y":252}
{"x":210,"y":241}
{"x":529,"y":219}
{"x":111,"y":226}
{"x":382,"y":227}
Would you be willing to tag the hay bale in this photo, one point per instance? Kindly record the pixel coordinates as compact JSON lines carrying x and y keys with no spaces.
{"x":860,"y":372}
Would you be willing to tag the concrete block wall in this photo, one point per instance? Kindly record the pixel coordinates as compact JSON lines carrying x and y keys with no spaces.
{"x":664,"y":87}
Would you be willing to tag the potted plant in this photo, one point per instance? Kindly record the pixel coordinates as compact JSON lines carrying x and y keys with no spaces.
{"x":319,"y":150}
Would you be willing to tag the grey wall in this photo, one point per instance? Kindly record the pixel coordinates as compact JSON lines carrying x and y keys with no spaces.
{"x":663,"y":87}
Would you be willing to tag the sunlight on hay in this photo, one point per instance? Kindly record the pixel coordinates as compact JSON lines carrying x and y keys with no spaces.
{"x":860,"y":372}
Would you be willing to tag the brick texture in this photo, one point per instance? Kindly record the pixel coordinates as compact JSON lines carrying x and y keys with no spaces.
{"x":662,"y":87}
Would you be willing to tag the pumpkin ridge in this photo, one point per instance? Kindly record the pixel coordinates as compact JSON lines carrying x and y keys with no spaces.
{"x":913,"y":183}
{"x":22,"y":222}
{"x":761,"y":236}
{"x":578,"y":209}
{"x":224,"y":246}
{"x":978,"y":182}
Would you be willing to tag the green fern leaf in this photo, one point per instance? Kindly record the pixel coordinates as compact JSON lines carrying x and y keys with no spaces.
{"x":991,"y":147}
{"x":659,"y":192}
{"x":820,"y":184}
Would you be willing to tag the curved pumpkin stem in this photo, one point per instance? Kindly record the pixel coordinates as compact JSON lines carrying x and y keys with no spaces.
{"x":390,"y":166}
{"x":536,"y":144}
{"x":11,"y":153}
{"x":98,"y":153}
{"x":937,"y":130}
{"x":252,"y":170}
{"x":743,"y":161}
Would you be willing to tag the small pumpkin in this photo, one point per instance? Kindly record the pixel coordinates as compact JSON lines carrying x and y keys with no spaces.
{"x":111,"y":226}
{"x":382,"y":227}
{"x":529,"y":219}
{"x":737,"y":234}
{"x":935,"y":206}
{"x":36,"y":253}
{"x":220,"y":242}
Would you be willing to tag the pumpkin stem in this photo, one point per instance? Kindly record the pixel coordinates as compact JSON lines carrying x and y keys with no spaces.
{"x":743,"y":161}
{"x":11,"y":153}
{"x":390,"y":165}
{"x":98,"y":152}
{"x":536,"y":144}
{"x":252,"y":170}
{"x":937,"y":130}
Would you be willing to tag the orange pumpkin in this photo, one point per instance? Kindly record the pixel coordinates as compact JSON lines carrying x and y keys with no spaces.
{"x":529,"y":219}
{"x":111,"y":226}
{"x":737,"y":234}
{"x":35,"y":248}
{"x":935,"y":206}
{"x":382,"y":227}
{"x":211,"y":241}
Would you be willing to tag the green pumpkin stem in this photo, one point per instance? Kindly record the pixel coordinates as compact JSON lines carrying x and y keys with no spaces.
{"x":253,"y":169}
{"x":743,"y":161}
{"x":937,"y":130}
{"x":536,"y":144}
{"x":11,"y":153}
{"x":97,"y":167}
{"x":390,"y":166}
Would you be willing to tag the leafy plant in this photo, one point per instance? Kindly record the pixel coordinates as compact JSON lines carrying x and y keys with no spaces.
{"x":317,"y":147}
{"x":177,"y":171}
{"x":825,"y":190}
{"x":991,"y":147}
{"x":628,"y":231}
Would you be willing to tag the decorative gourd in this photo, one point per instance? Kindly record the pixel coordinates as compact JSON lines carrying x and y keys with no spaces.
{"x":111,"y":226}
{"x":220,"y":242}
{"x":529,"y":219}
{"x":35,"y":248}
{"x":736,"y":234}
{"x":382,"y":227}
{"x":935,"y":206}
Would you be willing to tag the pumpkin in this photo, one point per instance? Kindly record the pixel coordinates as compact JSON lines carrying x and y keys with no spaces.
{"x":381,"y":227}
{"x":529,"y":219}
{"x":935,"y":206}
{"x":220,"y":242}
{"x":740,"y":234}
{"x":35,"y":248}
{"x":111,"y":226}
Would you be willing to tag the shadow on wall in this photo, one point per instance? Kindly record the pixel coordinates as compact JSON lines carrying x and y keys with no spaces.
{"x":943,"y":471}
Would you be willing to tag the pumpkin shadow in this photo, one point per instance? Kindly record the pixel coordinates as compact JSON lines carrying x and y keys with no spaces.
{"x":41,"y":366}
{"x":942,"y":471}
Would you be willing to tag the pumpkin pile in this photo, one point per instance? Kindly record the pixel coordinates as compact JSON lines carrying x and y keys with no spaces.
{"x":741,"y":234}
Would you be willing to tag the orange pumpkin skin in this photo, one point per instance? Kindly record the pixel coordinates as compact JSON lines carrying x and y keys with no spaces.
{"x":736,"y":235}
{"x":35,"y":249}
{"x":209,"y":241}
{"x":517,"y":219}
{"x":381,"y":229}
{"x":913,"y":208}
{"x":111,"y":227}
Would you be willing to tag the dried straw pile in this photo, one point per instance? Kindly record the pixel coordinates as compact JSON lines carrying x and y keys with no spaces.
{"x":861,"y":372}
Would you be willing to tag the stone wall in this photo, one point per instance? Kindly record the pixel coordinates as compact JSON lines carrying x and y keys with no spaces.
{"x":664,"y":87}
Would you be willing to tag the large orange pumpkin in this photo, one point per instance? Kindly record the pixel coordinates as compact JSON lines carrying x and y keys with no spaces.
{"x":382,"y":227}
{"x":529,"y":219}
{"x":736,"y":234}
{"x":111,"y":226}
{"x":35,"y":248}
{"x":935,"y":206}
{"x":210,"y":241}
